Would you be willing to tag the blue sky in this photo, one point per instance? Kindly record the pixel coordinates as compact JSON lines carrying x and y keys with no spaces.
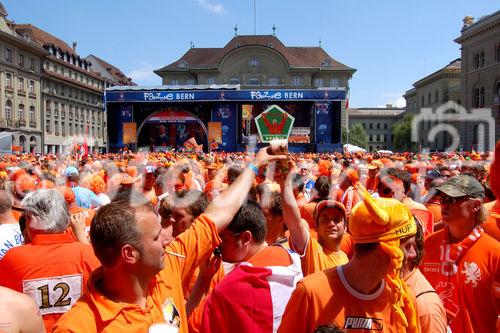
{"x":391,"y":43}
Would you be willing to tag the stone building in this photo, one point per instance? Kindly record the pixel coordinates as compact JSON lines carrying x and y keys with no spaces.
{"x":72,"y":95}
{"x":377,"y":122}
{"x":259,"y":62}
{"x":480,"y":74}
{"x":431,"y":92}
{"x":111,"y":75}
{"x":20,"y":82}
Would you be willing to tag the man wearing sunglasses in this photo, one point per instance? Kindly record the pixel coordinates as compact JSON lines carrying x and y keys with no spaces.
{"x":461,"y":261}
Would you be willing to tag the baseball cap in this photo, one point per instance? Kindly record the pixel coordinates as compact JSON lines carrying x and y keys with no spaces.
{"x":123,"y":178}
{"x":70,"y":171}
{"x":462,"y":185}
{"x":328,"y":204}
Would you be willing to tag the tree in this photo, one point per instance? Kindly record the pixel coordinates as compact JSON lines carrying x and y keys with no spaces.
{"x":402,"y":134}
{"x":357,"y":136}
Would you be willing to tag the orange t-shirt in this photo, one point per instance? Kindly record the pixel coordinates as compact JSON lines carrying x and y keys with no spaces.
{"x":53,"y":270}
{"x":435,"y":209}
{"x":165,"y":300}
{"x":307,"y":213}
{"x":492,"y":224}
{"x":430,"y":309}
{"x":315,"y":258}
{"x":469,"y":291}
{"x":326,"y":297}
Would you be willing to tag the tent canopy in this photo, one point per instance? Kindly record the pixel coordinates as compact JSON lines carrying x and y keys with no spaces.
{"x":353,"y":149}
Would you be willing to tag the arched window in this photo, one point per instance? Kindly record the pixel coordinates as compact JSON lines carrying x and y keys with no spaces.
{"x":20,"y":112}
{"x":32,"y":113}
{"x":370,"y":137}
{"x":378,"y":125}
{"x":20,"y":84}
{"x":253,"y":82}
{"x":370,"y":126}
{"x":32,"y":87}
{"x":253,"y":62}
{"x":385,"y":125}
{"x":481,"y":97}
{"x":8,"y":80}
{"x":318,"y":82}
{"x":481,"y":59}
{"x":8,"y":110}
{"x":274,"y":81}
{"x":476,"y":60}
{"x":476,"y":97}
{"x":496,"y":93}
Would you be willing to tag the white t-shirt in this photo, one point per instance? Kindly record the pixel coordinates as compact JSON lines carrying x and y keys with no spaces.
{"x":10,"y":236}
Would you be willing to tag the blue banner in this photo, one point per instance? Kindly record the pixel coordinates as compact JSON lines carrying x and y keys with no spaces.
{"x":221,"y":95}
{"x":323,"y":112}
{"x":125,"y":116}
{"x":227,"y":114}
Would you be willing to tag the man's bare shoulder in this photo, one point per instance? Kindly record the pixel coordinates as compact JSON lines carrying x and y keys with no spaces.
{"x":19,"y":313}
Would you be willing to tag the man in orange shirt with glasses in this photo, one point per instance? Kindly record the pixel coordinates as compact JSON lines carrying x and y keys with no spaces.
{"x":140,"y":282}
{"x":461,"y":261}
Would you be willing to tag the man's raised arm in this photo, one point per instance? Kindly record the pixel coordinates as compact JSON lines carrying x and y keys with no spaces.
{"x":224,"y":207}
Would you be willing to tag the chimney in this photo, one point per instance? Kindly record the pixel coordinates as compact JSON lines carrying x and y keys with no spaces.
{"x":468,"y":21}
{"x":388,"y":106}
{"x":74,"y":47}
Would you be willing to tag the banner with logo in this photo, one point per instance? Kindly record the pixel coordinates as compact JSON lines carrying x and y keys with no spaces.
{"x":229,"y":95}
{"x":129,"y":132}
{"x":323,"y":113}
{"x":226,"y":114}
{"x":274,"y":123}
{"x":215,"y":131}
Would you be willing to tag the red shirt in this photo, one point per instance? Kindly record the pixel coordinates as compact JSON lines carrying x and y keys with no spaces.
{"x":53,"y":270}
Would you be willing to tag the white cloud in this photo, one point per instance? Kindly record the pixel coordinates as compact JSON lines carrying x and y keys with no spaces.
{"x":216,"y":8}
{"x":143,"y":74}
{"x":400,"y":102}
{"x":395,"y":99}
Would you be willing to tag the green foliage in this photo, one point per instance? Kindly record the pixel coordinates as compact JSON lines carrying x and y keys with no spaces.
{"x":402,"y":134}
{"x":357,"y":136}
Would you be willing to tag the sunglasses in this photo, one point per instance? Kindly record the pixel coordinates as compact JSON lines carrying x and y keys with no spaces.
{"x":447,"y":200}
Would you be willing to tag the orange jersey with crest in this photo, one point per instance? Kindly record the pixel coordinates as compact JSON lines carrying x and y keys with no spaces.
{"x":470,"y":291}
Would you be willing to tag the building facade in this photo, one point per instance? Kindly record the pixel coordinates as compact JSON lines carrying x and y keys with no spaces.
{"x":226,"y":89}
{"x":259,"y":61}
{"x":377,"y":122}
{"x":111,"y":75}
{"x":432,"y":92}
{"x":72,"y":95}
{"x":20,"y":87}
{"x":480,"y":74}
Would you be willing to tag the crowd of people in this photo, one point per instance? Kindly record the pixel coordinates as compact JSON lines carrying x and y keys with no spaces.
{"x":250,"y":242}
